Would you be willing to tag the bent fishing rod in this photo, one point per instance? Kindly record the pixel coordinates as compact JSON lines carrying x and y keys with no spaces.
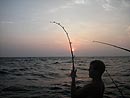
{"x":70,"y":43}
{"x":107,"y":71}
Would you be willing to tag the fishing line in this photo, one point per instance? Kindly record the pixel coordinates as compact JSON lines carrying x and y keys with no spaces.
{"x":70,"y":43}
{"x":120,"y":91}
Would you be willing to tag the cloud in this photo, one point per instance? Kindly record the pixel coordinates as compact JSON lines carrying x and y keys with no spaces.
{"x":128,"y":29}
{"x":107,"y":7}
{"x":126,"y":3}
{"x":106,"y":4}
{"x":110,"y":5}
{"x":69,"y":4}
{"x":79,"y":1}
{"x":6,"y":22}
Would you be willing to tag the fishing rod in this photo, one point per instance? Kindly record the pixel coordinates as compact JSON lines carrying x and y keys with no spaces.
{"x":112,"y":45}
{"x":120,"y":91}
{"x":70,"y":43}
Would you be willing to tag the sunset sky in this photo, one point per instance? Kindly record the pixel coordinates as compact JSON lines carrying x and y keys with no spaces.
{"x":25,"y":28}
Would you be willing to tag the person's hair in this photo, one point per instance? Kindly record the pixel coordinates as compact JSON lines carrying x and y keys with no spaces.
{"x":98,"y":65}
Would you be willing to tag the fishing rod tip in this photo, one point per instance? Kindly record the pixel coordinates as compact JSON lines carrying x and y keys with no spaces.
{"x":52,"y":21}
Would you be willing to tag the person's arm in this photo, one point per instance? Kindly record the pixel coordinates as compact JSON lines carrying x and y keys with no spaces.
{"x":73,"y":84}
{"x":81,"y":92}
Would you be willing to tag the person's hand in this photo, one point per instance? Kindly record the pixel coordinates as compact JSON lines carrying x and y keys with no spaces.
{"x":73,"y":73}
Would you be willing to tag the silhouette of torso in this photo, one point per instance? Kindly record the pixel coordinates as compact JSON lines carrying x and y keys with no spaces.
{"x":92,"y":90}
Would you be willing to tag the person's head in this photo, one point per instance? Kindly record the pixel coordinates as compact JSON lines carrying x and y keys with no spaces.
{"x":96,"y":69}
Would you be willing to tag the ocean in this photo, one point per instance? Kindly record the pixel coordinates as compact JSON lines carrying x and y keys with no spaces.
{"x":49,"y":77}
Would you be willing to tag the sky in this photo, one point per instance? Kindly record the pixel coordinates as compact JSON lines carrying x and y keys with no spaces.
{"x":25,"y":28}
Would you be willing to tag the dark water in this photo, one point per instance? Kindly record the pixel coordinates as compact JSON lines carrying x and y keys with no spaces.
{"x":48,"y":77}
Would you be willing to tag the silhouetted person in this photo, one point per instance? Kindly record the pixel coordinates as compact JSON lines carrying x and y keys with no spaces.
{"x":95,"y":88}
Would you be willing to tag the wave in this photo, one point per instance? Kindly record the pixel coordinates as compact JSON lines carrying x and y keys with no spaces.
{"x":49,"y":77}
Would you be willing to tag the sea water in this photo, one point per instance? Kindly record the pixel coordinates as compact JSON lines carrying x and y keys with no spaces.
{"x":49,"y":77}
